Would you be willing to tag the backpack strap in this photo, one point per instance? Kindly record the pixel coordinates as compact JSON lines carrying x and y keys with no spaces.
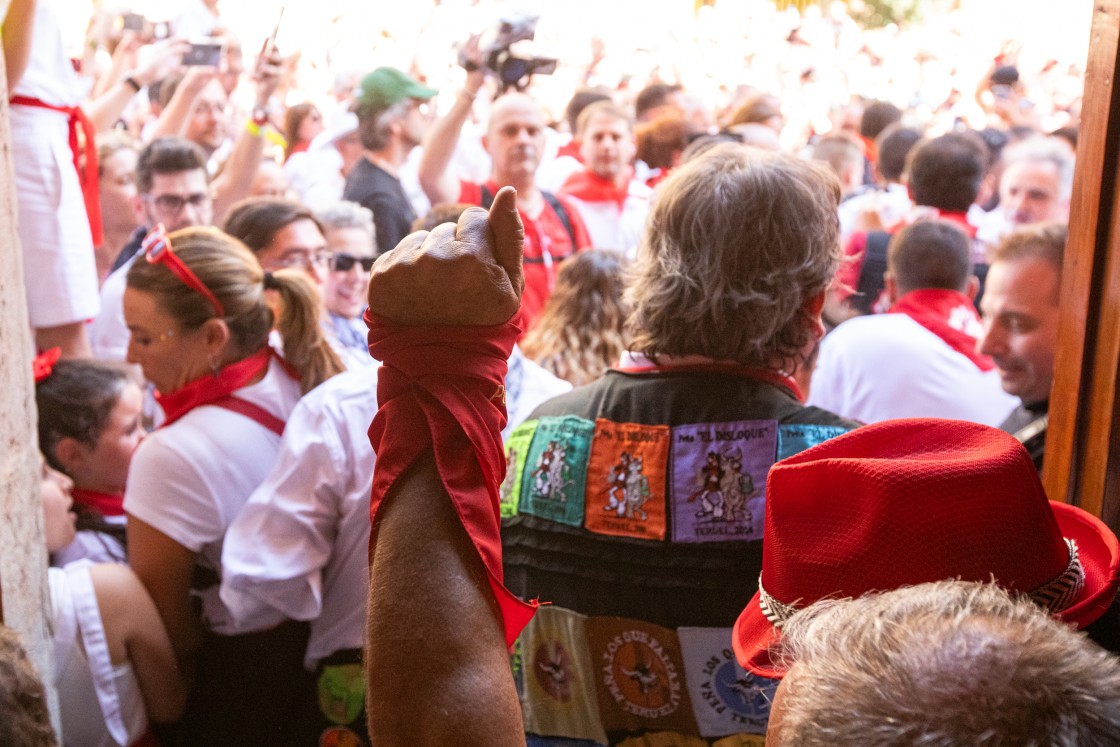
{"x":487,"y":199}
{"x":562,"y":213}
{"x":874,"y":264}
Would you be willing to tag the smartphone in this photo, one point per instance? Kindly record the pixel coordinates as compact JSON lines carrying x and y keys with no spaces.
{"x":132,"y":22}
{"x":203,"y":53}
{"x":275,"y":30}
{"x":1001,"y":91}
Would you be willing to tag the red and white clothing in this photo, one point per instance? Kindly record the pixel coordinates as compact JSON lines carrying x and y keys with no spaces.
{"x":893,"y":365}
{"x":100,"y":703}
{"x":59,"y":270}
{"x":547,"y":243}
{"x":615,"y":216}
{"x":190,"y":479}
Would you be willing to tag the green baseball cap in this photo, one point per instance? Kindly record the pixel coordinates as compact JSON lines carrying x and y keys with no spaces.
{"x":386,"y":86}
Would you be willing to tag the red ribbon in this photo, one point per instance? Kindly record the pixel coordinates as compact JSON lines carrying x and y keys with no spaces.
{"x":443,"y":387}
{"x":210,"y":388}
{"x":43,"y":365}
{"x":106,"y":504}
{"x":87,"y":177}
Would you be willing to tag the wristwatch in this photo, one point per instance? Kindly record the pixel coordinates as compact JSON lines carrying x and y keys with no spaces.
{"x":259,"y":115}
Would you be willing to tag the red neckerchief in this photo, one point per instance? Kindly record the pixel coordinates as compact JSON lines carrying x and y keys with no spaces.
{"x":590,"y":187}
{"x":443,"y":388}
{"x":209,"y":388}
{"x":643,"y":365}
{"x":570,"y":148}
{"x":87,"y":176}
{"x":106,"y":504}
{"x":949,"y":315}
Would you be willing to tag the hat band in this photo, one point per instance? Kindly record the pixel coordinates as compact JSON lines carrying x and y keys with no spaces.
{"x":1060,"y":593}
{"x":1054,"y":596}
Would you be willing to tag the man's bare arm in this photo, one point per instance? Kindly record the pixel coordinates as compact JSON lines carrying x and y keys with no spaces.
{"x":437,"y":665}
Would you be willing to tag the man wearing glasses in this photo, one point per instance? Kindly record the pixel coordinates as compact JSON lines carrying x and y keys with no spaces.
{"x":393,"y":116}
{"x":172,"y":189}
{"x":349,"y":230}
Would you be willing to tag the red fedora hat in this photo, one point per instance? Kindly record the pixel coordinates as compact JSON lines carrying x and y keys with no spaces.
{"x":903,"y":502}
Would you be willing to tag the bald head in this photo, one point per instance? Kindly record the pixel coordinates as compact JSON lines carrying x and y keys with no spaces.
{"x":515,"y":140}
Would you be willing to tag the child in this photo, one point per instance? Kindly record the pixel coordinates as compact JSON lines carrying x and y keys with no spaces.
{"x":115,"y":671}
{"x":89,"y":425}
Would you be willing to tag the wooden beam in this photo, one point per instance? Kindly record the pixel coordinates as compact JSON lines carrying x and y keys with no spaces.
{"x":1080,"y":466}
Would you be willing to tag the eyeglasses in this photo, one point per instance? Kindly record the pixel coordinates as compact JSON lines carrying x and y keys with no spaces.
{"x":158,"y":251}
{"x":172,"y":205}
{"x":342,"y":262}
{"x":301,"y":259}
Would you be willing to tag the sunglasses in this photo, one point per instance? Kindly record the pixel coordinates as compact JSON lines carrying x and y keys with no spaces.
{"x":345,"y":262}
{"x":157,"y":250}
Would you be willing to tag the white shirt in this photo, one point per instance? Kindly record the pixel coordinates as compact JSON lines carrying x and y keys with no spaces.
{"x":885,"y":366}
{"x":611,"y":228}
{"x":108,"y":333}
{"x":190,"y":479}
{"x":300,"y":545}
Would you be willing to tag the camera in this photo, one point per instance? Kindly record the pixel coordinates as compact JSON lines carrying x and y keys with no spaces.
{"x":513,"y":71}
{"x":205,"y":53}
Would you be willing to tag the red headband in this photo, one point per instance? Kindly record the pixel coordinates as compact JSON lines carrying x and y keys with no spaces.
{"x":43,"y":364}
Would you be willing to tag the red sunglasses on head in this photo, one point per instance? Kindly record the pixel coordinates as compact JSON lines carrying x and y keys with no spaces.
{"x":158,"y":251}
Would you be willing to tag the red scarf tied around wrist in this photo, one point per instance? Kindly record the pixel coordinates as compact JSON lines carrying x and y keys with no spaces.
{"x":444,"y":387}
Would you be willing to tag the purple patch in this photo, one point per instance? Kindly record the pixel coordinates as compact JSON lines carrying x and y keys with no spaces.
{"x":719,"y":479}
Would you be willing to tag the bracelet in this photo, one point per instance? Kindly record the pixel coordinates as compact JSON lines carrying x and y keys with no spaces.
{"x":135,"y":84}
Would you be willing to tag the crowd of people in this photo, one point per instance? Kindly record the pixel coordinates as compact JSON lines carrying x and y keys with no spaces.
{"x":657,"y":392}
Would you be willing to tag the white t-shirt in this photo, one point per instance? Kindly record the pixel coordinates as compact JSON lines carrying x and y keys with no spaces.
{"x":190,"y":479}
{"x":108,"y":333}
{"x":885,"y":366}
{"x":611,"y":228}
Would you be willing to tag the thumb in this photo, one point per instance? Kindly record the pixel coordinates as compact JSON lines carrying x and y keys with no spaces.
{"x":508,"y":235}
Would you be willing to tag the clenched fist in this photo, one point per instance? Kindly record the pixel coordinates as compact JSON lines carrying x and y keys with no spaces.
{"x":463,"y":273}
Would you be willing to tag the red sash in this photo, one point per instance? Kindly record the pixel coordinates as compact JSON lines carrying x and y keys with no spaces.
{"x":443,"y":387}
{"x":88,"y":177}
{"x":218,"y":391}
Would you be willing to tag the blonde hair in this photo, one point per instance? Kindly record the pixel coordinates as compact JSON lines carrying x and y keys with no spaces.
{"x":580,"y":332}
{"x":737,"y":242}
{"x":231,"y":272}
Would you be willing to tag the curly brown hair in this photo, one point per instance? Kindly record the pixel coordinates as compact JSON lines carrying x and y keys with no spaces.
{"x":580,"y":333}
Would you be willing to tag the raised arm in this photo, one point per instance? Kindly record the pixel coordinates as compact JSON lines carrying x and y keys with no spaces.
{"x":236,"y":178}
{"x":118,"y":89}
{"x":443,"y":136}
{"x":18,"y":30}
{"x":437,"y":662}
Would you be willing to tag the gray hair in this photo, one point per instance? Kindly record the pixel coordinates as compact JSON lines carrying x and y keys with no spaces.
{"x":943,"y":664}
{"x":737,"y":243}
{"x":1045,"y":149}
{"x":345,"y":214}
{"x":373,"y":125}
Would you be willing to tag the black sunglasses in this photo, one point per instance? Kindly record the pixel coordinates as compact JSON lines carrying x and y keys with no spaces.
{"x":345,"y":262}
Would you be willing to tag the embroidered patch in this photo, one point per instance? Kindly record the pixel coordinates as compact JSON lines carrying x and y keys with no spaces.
{"x":793,"y":439}
{"x":625,"y":493}
{"x":517,"y":450}
{"x":559,"y":679}
{"x":726,"y":699}
{"x":342,"y":692}
{"x":640,"y":676}
{"x":555,"y":470}
{"x":719,"y":479}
